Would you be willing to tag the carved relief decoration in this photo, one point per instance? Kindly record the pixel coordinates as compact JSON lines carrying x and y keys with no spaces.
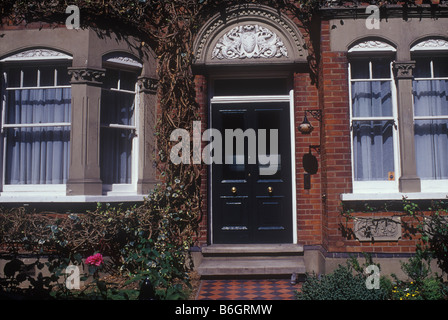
{"x":431,"y":44}
{"x":249,"y":41}
{"x":403,"y":70}
{"x":377,"y":229}
{"x":37,"y":54}
{"x":372,"y":45}
{"x":87,"y":75}
{"x":147,"y":85}
{"x":248,"y":13}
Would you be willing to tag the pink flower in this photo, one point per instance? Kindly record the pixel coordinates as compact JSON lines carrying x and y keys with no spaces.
{"x":95,"y":260}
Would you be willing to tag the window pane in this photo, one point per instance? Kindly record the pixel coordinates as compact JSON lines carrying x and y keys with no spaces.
{"x":47,"y":76}
{"x":63,"y":76}
{"x":38,"y":106}
{"x":431,"y":148}
{"x":430,"y":97}
{"x":371,"y":99}
{"x":116,"y":143}
{"x":117,"y":107}
{"x":440,"y":66}
{"x":241,"y":87}
{"x":422,"y":68}
{"x":373,"y":150}
{"x":381,"y":69}
{"x":111,"y":80}
{"x":116,"y":155}
{"x":360,"y":69}
{"x":37,"y":155}
{"x":30,"y":77}
{"x":128,"y":81}
{"x":14,"y":77}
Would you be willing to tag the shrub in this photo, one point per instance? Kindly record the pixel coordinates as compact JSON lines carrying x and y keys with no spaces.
{"x":342,"y":284}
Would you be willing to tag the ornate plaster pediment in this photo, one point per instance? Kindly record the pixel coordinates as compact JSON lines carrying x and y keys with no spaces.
{"x":249,"y":41}
{"x":249,"y":35}
{"x":372,"y":45}
{"x":37,"y":54}
{"x":431,"y":44}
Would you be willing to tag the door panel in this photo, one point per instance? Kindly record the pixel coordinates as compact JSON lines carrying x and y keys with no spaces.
{"x":251,"y":198}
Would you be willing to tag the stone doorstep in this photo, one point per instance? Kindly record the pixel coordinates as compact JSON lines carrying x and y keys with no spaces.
{"x":252,"y":259}
{"x":252,"y":266}
{"x":253,"y":249}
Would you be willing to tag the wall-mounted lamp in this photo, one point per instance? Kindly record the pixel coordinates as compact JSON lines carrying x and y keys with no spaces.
{"x":305,"y":127}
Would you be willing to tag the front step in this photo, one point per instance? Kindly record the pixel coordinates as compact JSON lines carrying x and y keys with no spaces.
{"x":252,"y":260}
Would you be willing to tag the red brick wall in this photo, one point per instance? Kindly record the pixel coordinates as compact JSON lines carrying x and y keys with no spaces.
{"x":309,"y":207}
{"x":336,"y":156}
{"x":201,"y":99}
{"x":335,"y":136}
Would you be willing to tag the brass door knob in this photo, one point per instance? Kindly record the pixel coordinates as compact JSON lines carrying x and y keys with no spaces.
{"x":233,"y":190}
{"x":270,"y":189}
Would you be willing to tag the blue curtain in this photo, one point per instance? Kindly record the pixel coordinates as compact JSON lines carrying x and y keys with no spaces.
{"x":38,"y":155}
{"x":116,"y":143}
{"x":373,"y":149}
{"x":431,"y":136}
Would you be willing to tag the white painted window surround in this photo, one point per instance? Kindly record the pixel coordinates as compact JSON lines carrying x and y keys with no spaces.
{"x":31,"y":76}
{"x":430,"y":87}
{"x":375,"y":166}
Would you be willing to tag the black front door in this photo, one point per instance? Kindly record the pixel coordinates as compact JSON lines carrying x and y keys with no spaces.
{"x":251,"y":191}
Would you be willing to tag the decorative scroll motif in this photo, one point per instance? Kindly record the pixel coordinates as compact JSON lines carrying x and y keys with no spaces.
{"x":431,"y":44}
{"x":403,"y":70}
{"x":378,"y":229}
{"x":147,"y":85}
{"x":87,"y":75}
{"x":249,"y":41}
{"x":126,"y":60}
{"x":36,"y":54}
{"x":372,"y":45}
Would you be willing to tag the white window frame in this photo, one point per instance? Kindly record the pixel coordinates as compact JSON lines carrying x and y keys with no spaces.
{"x":429,"y":49}
{"x":375,"y":186}
{"x":117,"y":189}
{"x":22,"y":60}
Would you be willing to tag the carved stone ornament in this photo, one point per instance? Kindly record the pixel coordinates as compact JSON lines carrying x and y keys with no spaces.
{"x":377,"y":229}
{"x":403,"y":70}
{"x":372,"y":45}
{"x":431,"y":44}
{"x":249,"y":41}
{"x":122,"y":60}
{"x":86,"y":75}
{"x":147,"y":85}
{"x":37,"y":54}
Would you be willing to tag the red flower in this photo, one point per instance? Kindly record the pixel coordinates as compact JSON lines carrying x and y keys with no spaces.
{"x":95,"y":260}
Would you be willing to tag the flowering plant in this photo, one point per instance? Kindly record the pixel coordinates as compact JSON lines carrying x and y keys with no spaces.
{"x":95,"y":260}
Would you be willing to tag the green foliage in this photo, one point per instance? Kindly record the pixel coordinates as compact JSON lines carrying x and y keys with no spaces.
{"x":344,"y":283}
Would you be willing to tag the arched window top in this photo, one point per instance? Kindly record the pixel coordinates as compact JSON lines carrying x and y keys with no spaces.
{"x":121,"y":59}
{"x":432,"y":44}
{"x":372,"y":45}
{"x":37,"y":54}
